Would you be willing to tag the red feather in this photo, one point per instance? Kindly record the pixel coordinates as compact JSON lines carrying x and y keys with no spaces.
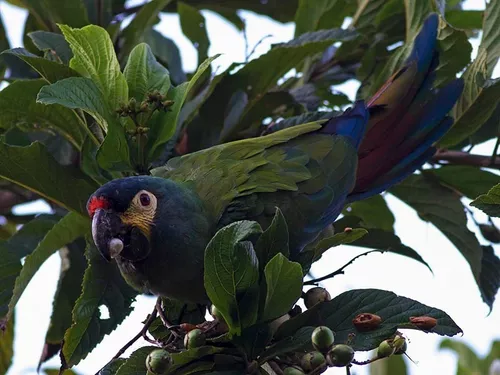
{"x":96,"y":203}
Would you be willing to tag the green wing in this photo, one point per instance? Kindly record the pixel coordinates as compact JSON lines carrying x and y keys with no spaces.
{"x":297,"y":169}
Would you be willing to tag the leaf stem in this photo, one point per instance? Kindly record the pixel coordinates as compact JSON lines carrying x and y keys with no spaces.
{"x":495,"y":151}
{"x":340,"y":271}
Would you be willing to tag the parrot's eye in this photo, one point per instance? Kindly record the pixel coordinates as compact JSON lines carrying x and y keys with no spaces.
{"x":145,"y":199}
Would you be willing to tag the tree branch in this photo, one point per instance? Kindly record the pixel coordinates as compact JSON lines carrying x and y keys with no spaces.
{"x":464,"y":158}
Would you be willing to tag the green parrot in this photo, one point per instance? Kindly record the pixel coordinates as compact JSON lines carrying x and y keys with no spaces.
{"x":157,"y":227}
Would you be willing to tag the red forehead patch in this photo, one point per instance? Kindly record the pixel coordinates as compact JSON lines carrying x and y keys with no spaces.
{"x":96,"y":203}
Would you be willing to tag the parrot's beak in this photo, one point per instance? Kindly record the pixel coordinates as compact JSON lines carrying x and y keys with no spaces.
{"x":106,"y":228}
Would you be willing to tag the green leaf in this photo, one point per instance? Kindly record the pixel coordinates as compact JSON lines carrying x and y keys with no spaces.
{"x":53,"y":43}
{"x":374,"y":212}
{"x":481,"y":94}
{"x":73,"y":266}
{"x":144,"y":19}
{"x":112,"y":367}
{"x":4,"y":44}
{"x":467,"y":359}
{"x":167,"y":52}
{"x":19,"y":245}
{"x":163,"y":128}
{"x":232,"y":273}
{"x":490,"y":276}
{"x":297,"y":341}
{"x":182,"y":359}
{"x":259,"y":76}
{"x":68,"y":229}
{"x":274,"y":240}
{"x":6,"y":345}
{"x":489,"y":203}
{"x":103,"y":285}
{"x":394,"y":310}
{"x":442,"y":207}
{"x":136,"y":363}
{"x":51,"y":71}
{"x":94,"y":57}
{"x":465,"y":19}
{"x":378,"y":239}
{"x":73,"y":13}
{"x":18,"y":106}
{"x":469,"y":181}
{"x":345,"y":237}
{"x":35,"y":169}
{"x":145,"y":74}
{"x":309,"y":14}
{"x":283,"y":284}
{"x":193,"y":25}
{"x":253,"y":339}
{"x":395,"y":364}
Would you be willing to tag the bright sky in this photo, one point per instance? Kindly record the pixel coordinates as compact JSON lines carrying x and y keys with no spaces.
{"x":451,"y":288}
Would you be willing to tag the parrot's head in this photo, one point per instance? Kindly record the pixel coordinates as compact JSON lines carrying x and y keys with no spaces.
{"x":123,"y":213}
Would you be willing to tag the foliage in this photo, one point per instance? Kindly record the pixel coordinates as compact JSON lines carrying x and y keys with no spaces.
{"x":89,"y":101}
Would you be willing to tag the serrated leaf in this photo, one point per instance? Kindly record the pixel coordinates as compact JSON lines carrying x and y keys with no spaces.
{"x":73,"y":266}
{"x":481,"y":94}
{"x":193,"y":25}
{"x":102,"y":285}
{"x":232,"y":272}
{"x":442,"y":207}
{"x":274,"y":240}
{"x":168,"y":53}
{"x":18,"y":106}
{"x":144,"y":19}
{"x":95,"y":58}
{"x":52,"y":42}
{"x":19,"y":245}
{"x":374,"y":212}
{"x":283,"y":286}
{"x":6,"y":345}
{"x":35,"y":169}
{"x":51,"y":71}
{"x":378,"y":239}
{"x":489,"y":203}
{"x":163,"y":128}
{"x":136,"y":363}
{"x":489,"y":279}
{"x":297,"y":341}
{"x":112,"y":367}
{"x":469,"y":181}
{"x":68,"y":229}
{"x":145,"y":74}
{"x":394,"y":310}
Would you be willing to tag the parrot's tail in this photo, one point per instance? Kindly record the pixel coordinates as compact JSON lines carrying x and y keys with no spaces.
{"x":407,"y":116}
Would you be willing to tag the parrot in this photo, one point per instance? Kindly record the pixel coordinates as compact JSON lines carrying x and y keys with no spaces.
{"x":156,"y":227}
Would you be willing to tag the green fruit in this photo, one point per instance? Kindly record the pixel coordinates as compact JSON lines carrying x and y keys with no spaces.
{"x":402,"y":349}
{"x":385,"y":349}
{"x":194,"y":339}
{"x":341,"y":355}
{"x":293,"y":371}
{"x":158,"y":361}
{"x":316,"y":295}
{"x":322,"y":339}
{"x":215,"y":312}
{"x":312,"y":361}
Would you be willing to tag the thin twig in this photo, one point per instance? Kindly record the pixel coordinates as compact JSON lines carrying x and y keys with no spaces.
{"x":348,"y":370}
{"x":256,"y":45}
{"x":340,"y":271}
{"x":164,"y":319}
{"x":495,"y":151}
{"x":464,"y":158}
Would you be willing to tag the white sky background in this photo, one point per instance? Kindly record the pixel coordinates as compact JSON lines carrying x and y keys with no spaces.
{"x":451,"y":288}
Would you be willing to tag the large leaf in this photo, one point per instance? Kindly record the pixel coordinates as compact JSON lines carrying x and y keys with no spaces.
{"x":260,"y":75}
{"x":232,"y":273}
{"x":395,"y":312}
{"x":469,"y":181}
{"x":481,"y":94}
{"x":374,"y":212}
{"x":18,"y":106}
{"x":51,"y":71}
{"x":144,"y":73}
{"x":295,"y":342}
{"x":53,"y":43}
{"x":136,"y":363}
{"x":490,"y":202}
{"x":442,"y":207}
{"x":194,"y":27}
{"x":274,"y":240}
{"x":103,"y":285}
{"x":67,"y":230}
{"x":94,"y":57}
{"x":70,"y":12}
{"x":309,"y":14}
{"x":35,"y":169}
{"x":6,"y":345}
{"x":144,"y":19}
{"x":14,"y":249}
{"x":343,"y":238}
{"x":490,"y":276}
{"x":165,"y":124}
{"x":73,"y":266}
{"x":283,"y":285}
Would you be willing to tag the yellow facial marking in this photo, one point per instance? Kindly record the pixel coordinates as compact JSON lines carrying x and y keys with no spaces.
{"x":141,"y":212}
